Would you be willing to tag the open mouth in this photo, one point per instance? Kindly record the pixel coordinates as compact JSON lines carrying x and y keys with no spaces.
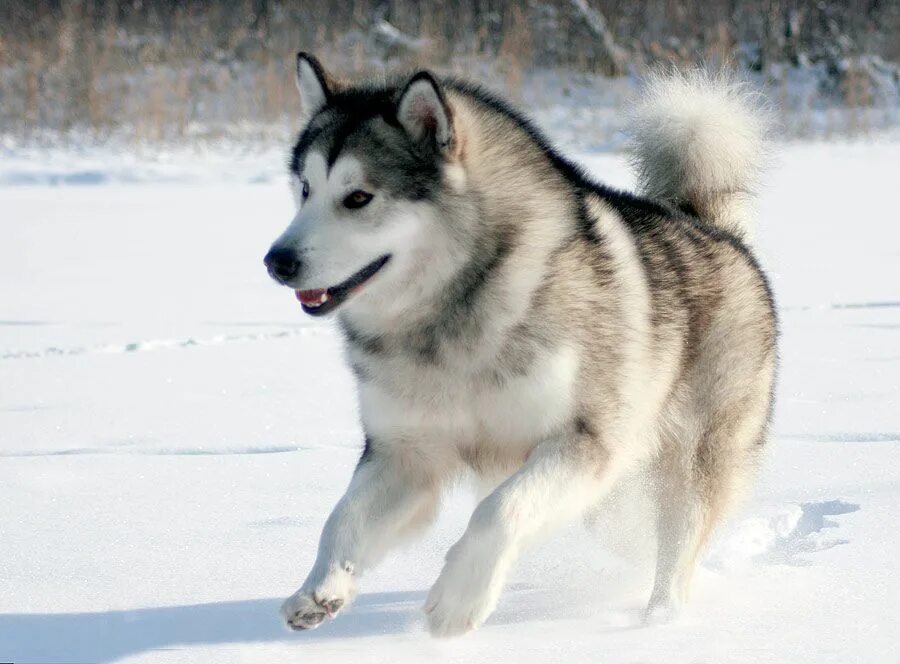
{"x":319,"y":301}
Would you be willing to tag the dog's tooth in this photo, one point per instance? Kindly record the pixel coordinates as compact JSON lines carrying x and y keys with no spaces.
{"x":322,"y":298}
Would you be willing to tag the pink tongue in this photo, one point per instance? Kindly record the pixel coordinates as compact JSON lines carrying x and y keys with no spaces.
{"x":309,"y":297}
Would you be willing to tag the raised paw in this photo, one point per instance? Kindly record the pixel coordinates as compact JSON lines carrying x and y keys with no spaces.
{"x":303,"y":611}
{"x":307,"y":609}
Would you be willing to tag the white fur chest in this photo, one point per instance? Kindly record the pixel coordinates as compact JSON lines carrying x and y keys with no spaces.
{"x":442,"y":408}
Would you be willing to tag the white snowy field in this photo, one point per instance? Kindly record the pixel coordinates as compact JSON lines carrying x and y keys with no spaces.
{"x":174,"y":431}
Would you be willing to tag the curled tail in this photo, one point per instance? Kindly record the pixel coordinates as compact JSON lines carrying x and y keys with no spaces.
{"x":698,"y":142}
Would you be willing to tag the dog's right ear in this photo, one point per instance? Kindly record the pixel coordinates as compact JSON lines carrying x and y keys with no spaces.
{"x":313,"y":84}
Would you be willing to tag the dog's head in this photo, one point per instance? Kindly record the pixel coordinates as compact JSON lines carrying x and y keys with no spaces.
{"x":371,"y":170}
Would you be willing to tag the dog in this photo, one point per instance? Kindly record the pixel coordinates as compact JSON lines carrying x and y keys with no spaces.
{"x":504,"y":314}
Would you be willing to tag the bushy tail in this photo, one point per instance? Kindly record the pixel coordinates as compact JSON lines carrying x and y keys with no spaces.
{"x":698,"y":142}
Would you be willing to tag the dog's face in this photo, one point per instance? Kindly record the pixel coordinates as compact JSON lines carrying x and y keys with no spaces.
{"x":368,"y":171}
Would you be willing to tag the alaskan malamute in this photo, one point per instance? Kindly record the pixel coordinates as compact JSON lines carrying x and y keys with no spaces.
{"x":505,"y":314}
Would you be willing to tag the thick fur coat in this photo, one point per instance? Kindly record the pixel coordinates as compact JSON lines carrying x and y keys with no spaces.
{"x":506,"y":315}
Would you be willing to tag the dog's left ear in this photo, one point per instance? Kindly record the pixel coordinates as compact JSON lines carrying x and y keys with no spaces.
{"x":423,"y":112}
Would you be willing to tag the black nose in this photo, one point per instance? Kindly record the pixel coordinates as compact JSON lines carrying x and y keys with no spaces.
{"x":283,"y":263}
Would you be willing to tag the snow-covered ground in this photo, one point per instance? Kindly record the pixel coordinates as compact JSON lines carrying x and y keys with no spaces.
{"x":173,"y":432}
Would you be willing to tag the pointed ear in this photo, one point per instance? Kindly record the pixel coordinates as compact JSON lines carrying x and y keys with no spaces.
{"x":423,"y":112}
{"x":313,"y":84}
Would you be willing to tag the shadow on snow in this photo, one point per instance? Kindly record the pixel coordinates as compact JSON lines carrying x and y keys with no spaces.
{"x":110,"y":635}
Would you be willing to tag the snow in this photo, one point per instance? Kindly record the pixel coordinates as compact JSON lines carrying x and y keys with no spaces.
{"x":174,"y":431}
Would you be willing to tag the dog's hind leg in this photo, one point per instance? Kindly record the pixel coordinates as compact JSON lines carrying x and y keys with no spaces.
{"x":683,"y":516}
{"x":695,"y":489}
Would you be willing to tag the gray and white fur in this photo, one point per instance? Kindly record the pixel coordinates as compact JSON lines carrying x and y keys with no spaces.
{"x":507,"y":316}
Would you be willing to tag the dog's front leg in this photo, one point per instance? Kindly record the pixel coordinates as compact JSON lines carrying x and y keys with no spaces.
{"x":559,"y":480}
{"x":390,"y":495}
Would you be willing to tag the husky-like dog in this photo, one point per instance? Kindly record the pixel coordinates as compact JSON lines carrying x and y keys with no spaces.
{"x":505,"y":314}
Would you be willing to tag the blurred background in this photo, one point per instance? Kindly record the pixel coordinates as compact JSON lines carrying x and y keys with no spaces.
{"x":161,"y":71}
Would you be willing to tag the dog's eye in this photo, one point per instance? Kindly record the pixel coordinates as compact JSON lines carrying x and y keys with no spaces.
{"x":357,"y":199}
{"x":305,"y":192}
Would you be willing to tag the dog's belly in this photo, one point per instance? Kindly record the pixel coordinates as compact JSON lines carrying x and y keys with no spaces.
{"x":488,"y":424}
